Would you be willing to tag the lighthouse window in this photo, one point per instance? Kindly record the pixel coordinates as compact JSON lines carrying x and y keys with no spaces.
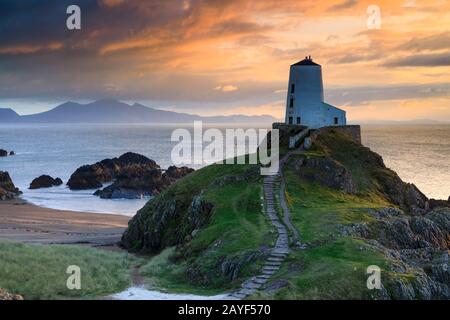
{"x":290,"y":120}
{"x":292,"y":87}
{"x":298,"y":120}
{"x":336,"y":120}
{"x":291,"y":103}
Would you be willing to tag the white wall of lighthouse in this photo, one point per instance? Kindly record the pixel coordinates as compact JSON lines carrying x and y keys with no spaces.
{"x":305,"y":98}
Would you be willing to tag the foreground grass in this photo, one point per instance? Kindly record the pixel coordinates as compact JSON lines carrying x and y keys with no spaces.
{"x":162,"y":274}
{"x":39,"y":271}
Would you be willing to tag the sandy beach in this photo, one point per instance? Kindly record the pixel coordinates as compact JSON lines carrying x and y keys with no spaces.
{"x":25,"y":222}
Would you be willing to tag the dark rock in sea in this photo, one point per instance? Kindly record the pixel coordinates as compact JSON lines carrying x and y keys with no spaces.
{"x":176,"y":173}
{"x":138,"y":181}
{"x":114,"y":192}
{"x":7,"y":188}
{"x":3,"y":153}
{"x":12,"y":153}
{"x":93,"y":176}
{"x":45,"y":181}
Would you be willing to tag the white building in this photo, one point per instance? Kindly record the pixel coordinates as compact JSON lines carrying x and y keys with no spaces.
{"x":304,"y":104}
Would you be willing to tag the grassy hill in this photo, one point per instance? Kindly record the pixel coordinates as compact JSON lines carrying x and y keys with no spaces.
{"x":208,"y":232}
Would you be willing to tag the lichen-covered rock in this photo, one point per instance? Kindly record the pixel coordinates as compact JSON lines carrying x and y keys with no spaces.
{"x":417,"y":248}
{"x":171,"y":223}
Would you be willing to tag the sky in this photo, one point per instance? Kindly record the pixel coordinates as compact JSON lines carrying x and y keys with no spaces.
{"x":220,"y":57}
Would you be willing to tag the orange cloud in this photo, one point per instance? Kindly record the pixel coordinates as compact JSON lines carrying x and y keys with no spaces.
{"x":29,"y":49}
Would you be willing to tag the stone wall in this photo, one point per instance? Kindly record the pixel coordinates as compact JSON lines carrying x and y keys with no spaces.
{"x":296,"y":140}
{"x":286,"y":131}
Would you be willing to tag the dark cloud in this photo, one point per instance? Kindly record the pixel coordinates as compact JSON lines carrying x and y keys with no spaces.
{"x":354,"y":57}
{"x":343,"y":5}
{"x":358,"y":96}
{"x":433,"y":42}
{"x":420,"y":60}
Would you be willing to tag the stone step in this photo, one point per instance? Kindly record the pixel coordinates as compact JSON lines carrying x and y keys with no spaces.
{"x":280,"y":252}
{"x":247,"y":292}
{"x":261,"y":281}
{"x":266,"y":275}
{"x":238,"y":295}
{"x":278,"y":255}
{"x":251,"y":285}
{"x":273,"y":266}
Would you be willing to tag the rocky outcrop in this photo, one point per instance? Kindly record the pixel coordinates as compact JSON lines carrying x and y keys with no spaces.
{"x":415,"y":245}
{"x":5,"y":295}
{"x":337,"y":159}
{"x":45,"y":181}
{"x":8,"y":190}
{"x":3,"y":153}
{"x":12,"y":153}
{"x":151,"y":233}
{"x":138,"y":181}
{"x":406,"y":195}
{"x":93,"y":176}
{"x":174,"y":173}
{"x":325,"y":171}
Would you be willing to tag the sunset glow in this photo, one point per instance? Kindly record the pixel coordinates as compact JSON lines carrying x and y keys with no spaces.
{"x":227,"y":57}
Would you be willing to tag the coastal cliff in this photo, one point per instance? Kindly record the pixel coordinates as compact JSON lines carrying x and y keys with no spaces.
{"x":209,"y":229}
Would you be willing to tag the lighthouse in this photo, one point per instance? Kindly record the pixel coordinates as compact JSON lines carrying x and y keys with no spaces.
{"x":305,"y":102}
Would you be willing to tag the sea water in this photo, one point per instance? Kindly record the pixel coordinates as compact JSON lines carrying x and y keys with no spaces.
{"x":420,"y":154}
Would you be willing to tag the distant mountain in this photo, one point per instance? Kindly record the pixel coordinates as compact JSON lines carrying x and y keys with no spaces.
{"x":113,"y":111}
{"x":8,"y":115}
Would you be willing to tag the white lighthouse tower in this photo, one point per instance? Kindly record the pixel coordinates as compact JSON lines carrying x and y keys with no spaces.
{"x":304,"y":103}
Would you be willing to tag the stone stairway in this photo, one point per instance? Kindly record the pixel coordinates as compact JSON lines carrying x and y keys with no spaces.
{"x":278,"y":252}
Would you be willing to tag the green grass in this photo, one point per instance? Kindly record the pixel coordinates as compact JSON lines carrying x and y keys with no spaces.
{"x":237,"y":228}
{"x":39,"y":271}
{"x":360,"y":161}
{"x":318,"y":212}
{"x":333,"y":266}
{"x":160,"y":273}
{"x":336,"y":270}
